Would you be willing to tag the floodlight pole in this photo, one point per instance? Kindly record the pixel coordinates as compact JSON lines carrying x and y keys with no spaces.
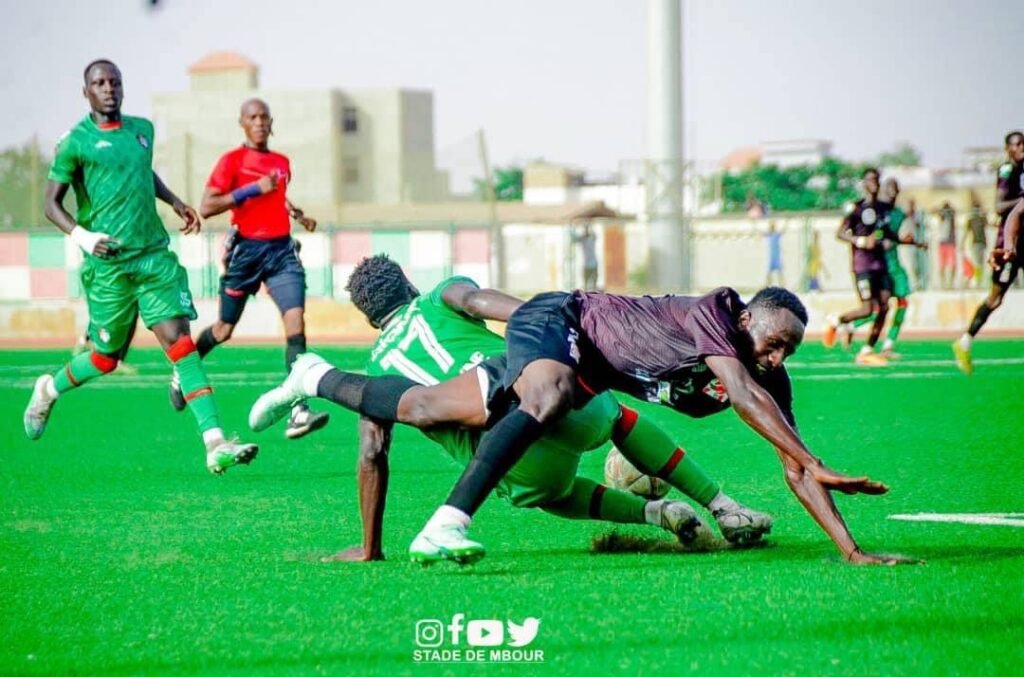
{"x":669,"y":237}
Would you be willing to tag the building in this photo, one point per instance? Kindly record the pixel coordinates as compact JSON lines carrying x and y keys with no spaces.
{"x":795,"y":153}
{"x":346,"y":146}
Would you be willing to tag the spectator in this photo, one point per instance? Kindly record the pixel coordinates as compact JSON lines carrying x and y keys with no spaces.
{"x":977,"y":220}
{"x":774,"y":238}
{"x":815,"y":267}
{"x":947,"y":245}
{"x":920,"y":232}
{"x":587,"y":241}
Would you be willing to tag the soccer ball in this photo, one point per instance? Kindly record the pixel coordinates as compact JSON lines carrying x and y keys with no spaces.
{"x":621,"y":474}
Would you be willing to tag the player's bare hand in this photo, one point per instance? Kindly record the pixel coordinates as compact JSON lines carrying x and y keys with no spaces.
{"x":307,"y":223}
{"x":106,"y":247}
{"x":834,"y":481}
{"x":866,"y":558}
{"x":996,"y":258}
{"x":353,"y":554}
{"x":268,"y":183}
{"x":189,"y":216}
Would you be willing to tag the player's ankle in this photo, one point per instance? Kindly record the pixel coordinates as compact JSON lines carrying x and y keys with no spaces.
{"x":722,"y":502}
{"x":966,"y":341}
{"x":212,"y":438}
{"x":448,"y":515}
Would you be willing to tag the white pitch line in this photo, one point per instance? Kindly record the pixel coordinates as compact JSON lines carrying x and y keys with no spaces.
{"x":1004,"y":519}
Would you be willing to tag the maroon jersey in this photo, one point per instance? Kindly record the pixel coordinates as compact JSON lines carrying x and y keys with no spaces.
{"x":654,"y":349}
{"x":1009,"y":186}
{"x":869,"y":220}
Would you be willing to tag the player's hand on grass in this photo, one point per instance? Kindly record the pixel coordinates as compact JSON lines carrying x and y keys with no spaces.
{"x":353,"y":554}
{"x":189,"y":216}
{"x":834,"y":481}
{"x":858,"y":556}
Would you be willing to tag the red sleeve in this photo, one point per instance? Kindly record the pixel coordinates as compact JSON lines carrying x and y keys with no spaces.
{"x":223,"y":176}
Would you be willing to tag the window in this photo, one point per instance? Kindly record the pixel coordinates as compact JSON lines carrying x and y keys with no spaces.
{"x":350,"y":170}
{"x":349,"y":120}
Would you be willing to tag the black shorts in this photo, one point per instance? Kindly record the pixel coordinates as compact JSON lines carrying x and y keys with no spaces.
{"x":545,"y":327}
{"x":871,"y":285}
{"x":250,"y":263}
{"x":1004,"y":275}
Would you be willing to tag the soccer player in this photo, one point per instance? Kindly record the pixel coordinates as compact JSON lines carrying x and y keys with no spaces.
{"x":128,"y":270}
{"x":900,"y":282}
{"x":433,"y":337}
{"x":252,"y":181}
{"x":1009,"y":188}
{"x":698,"y":355}
{"x":864,"y":227}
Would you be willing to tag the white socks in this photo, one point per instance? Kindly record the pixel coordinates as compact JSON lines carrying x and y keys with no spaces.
{"x":965,"y":341}
{"x":212,"y":436}
{"x":447,"y":516}
{"x":311,"y":379}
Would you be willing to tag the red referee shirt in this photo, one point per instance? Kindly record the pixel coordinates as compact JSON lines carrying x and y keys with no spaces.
{"x":264,"y":217}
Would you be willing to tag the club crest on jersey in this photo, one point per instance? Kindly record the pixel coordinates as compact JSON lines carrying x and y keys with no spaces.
{"x":716,"y":389}
{"x":868,"y":216}
{"x":143,"y":141}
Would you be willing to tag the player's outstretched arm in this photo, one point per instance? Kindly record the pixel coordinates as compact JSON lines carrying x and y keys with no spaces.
{"x":216,"y":201}
{"x":759,"y":410}
{"x":485,"y":304}
{"x":373,"y":473}
{"x":97,"y":244}
{"x":187,"y":214}
{"x":1012,"y":231}
{"x":816,"y":498}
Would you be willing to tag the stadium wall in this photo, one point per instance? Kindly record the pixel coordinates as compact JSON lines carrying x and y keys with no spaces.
{"x":41,"y":297}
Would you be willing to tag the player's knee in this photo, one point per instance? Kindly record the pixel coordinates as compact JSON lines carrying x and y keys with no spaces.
{"x":104,"y":363}
{"x":222,"y":331}
{"x":420,"y":409}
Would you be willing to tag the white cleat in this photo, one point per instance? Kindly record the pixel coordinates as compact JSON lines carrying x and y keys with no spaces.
{"x":681,"y":520}
{"x":37,"y":413}
{"x":275,"y":404}
{"x":743,"y":526}
{"x":447,"y":542}
{"x":227,"y":453}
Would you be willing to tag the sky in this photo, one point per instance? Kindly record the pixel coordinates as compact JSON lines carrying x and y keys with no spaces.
{"x":562,"y":80}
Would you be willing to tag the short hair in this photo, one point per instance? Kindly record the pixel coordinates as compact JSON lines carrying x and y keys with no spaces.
{"x":378,"y":286}
{"x":1009,"y":136}
{"x":870,"y":170}
{"x":777,"y":298}
{"x":93,"y":64}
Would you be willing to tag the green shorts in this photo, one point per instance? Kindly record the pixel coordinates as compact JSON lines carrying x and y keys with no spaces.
{"x":900,"y":282}
{"x":152,"y":285}
{"x":546,"y":472}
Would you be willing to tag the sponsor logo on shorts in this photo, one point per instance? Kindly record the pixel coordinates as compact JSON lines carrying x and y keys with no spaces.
{"x":186,"y":300}
{"x":716,"y":390}
{"x":104,"y":334}
{"x":574,"y":349}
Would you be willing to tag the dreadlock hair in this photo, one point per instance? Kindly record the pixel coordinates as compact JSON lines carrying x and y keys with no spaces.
{"x":378,"y":286}
{"x":777,"y":298}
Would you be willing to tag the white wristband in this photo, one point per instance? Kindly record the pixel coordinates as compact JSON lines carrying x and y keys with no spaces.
{"x":86,"y":239}
{"x":861,"y":242}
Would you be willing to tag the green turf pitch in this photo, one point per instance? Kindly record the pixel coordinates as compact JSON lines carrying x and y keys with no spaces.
{"x":119,"y":553}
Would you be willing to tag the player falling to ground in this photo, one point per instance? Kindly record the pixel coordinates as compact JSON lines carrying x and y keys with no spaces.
{"x":698,"y":355}
{"x":252,"y":181}
{"x":1009,"y":188}
{"x":900,"y":281}
{"x":432,"y":337}
{"x":865,"y":227}
{"x":128,"y":270}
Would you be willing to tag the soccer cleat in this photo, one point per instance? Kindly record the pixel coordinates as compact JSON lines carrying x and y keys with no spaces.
{"x":275,"y":404}
{"x":742,"y":526}
{"x":870,"y":359}
{"x":828,"y":338}
{"x":446,"y":542}
{"x":682,"y":520}
{"x":303,"y":421}
{"x":963,"y":358}
{"x":174,"y":393}
{"x":890,"y":354}
{"x":37,"y":413}
{"x":227,"y":453}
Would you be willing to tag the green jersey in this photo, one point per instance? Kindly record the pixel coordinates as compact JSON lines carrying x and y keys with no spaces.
{"x":111,"y":172}
{"x":430,"y":342}
{"x":892,"y":256}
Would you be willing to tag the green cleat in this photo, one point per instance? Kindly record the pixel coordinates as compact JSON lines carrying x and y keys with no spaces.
{"x":963,"y":358}
{"x":37,"y":413}
{"x":449,"y":542}
{"x":227,"y":453}
{"x":275,"y":404}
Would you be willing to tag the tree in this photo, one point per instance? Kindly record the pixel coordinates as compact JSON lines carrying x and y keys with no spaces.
{"x":22,"y":180}
{"x":508,"y":185}
{"x":904,"y":155}
{"x":825,"y":186}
